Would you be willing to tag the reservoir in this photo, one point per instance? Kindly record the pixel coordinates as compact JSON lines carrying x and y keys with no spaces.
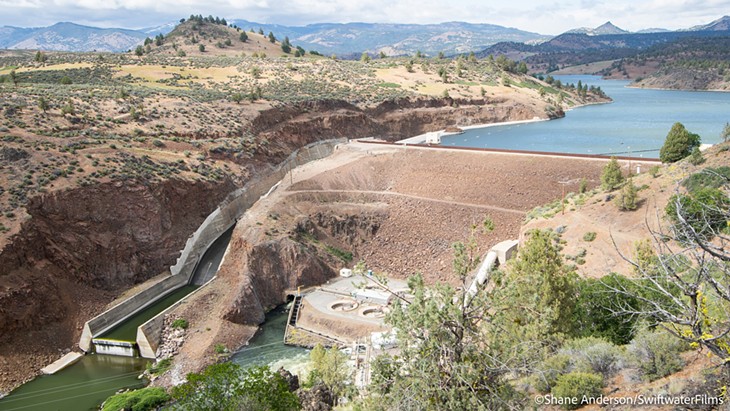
{"x":635,"y":124}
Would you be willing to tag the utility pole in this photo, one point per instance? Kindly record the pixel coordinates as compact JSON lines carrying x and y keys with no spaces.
{"x":562,"y":202}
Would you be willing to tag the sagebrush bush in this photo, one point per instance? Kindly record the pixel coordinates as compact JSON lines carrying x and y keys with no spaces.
{"x":596,"y":355}
{"x":578,"y":385}
{"x":656,"y":354}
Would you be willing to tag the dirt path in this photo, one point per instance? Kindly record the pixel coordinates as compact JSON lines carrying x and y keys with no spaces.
{"x":420,"y":198}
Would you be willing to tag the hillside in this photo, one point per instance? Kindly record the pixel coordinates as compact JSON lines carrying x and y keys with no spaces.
{"x":598,"y":239}
{"x":217,"y":40}
{"x":687,"y":64}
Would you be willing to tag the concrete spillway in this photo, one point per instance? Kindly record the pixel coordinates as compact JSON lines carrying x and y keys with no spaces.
{"x":86,"y":383}
{"x":190,"y":267}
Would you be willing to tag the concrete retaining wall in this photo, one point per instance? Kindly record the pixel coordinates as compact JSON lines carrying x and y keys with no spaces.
{"x":236,"y":203}
{"x":127,"y":308}
{"x":220,"y":220}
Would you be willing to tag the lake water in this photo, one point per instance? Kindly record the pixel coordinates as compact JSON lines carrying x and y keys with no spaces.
{"x":636,"y":123}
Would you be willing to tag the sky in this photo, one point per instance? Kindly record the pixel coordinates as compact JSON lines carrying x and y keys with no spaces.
{"x":545,"y":17}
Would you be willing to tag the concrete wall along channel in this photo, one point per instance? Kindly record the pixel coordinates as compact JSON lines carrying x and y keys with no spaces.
{"x":217,"y":223}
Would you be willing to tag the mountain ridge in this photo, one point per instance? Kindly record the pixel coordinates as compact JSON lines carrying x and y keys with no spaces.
{"x":351,"y":39}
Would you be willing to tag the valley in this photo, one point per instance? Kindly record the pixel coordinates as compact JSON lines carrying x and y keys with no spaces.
{"x":113,"y":164}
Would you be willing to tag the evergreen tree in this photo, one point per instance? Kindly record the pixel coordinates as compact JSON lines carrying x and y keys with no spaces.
{"x":365,"y":57}
{"x":243,"y":37}
{"x":679,"y":144}
{"x":448,"y":360}
{"x":285,"y":45}
{"x":537,"y":295}
{"x":40,"y":57}
{"x":627,"y":199}
{"x":725,"y":135}
{"x":611,"y":177}
{"x":522,"y":68}
{"x":271,"y":37}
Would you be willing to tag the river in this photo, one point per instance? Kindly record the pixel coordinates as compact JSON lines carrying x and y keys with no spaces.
{"x":267,"y":346}
{"x":636,"y":123}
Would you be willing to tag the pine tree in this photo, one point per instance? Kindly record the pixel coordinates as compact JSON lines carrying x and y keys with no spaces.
{"x":611,"y":177}
{"x":627,"y":199}
{"x":285,"y":45}
{"x":243,"y":37}
{"x":679,"y":144}
{"x":271,"y":37}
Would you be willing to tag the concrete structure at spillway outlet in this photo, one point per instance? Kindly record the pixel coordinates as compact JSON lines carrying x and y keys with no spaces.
{"x":183,"y":272}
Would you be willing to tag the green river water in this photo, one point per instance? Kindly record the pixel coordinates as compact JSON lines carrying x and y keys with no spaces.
{"x":80,"y":387}
{"x":86,"y":384}
{"x":127,"y":331}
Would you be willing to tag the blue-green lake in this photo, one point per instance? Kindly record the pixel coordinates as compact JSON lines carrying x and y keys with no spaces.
{"x":636,"y":123}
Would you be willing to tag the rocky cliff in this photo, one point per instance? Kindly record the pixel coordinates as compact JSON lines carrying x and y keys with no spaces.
{"x":78,"y":250}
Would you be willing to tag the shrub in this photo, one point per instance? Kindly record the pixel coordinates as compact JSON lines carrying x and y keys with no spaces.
{"x":656,"y":354}
{"x":158,"y":143}
{"x":704,"y":210}
{"x":589,"y":236}
{"x":611,"y":177}
{"x":548,"y":372}
{"x":160,"y":366}
{"x":709,"y":178}
{"x":592,"y":354}
{"x":220,"y":349}
{"x":180,"y":323}
{"x":654,"y":171}
{"x":583,"y":187}
{"x":696,"y":158}
{"x":679,"y":144}
{"x":596,"y":305}
{"x":345,"y":256}
{"x":577,"y":386}
{"x":149,"y":398}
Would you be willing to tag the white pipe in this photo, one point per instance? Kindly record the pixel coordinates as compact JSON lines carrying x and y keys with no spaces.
{"x":481,"y":277}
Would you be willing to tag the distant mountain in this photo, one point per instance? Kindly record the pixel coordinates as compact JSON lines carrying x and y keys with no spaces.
{"x":395,"y":39}
{"x":573,"y":49}
{"x":721,"y":24}
{"x":161,"y":29}
{"x":604,"y":29}
{"x":11,"y":35}
{"x":653,"y":30}
{"x":70,"y":37}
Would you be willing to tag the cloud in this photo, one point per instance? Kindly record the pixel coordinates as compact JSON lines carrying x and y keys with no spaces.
{"x":544,"y":17}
